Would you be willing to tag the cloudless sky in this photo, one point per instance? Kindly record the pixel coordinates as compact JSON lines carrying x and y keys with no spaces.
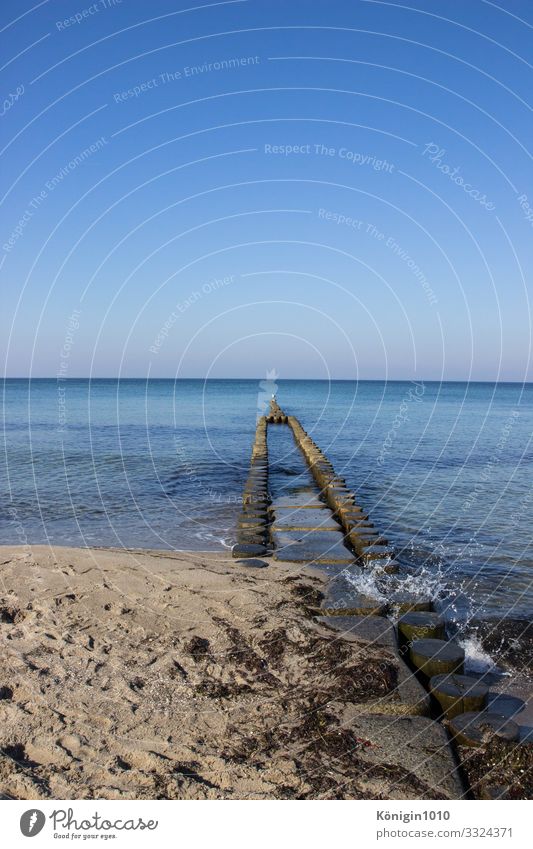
{"x":327,"y":189}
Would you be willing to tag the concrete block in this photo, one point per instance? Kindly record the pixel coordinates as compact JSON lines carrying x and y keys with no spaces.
{"x":315,"y":546}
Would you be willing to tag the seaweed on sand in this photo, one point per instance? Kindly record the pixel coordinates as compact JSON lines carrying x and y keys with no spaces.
{"x":365,"y":681}
{"x":274,"y":644}
{"x":308,"y":598}
{"x":499,"y":770}
{"x":199,"y":648}
{"x":244,"y":655}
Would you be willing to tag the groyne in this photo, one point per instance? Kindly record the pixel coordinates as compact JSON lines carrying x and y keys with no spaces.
{"x":326,"y":526}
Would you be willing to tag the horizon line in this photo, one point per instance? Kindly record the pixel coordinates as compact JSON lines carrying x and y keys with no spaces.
{"x":61,"y":379}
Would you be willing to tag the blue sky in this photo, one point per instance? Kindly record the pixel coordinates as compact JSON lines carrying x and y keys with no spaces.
{"x":328,"y":189}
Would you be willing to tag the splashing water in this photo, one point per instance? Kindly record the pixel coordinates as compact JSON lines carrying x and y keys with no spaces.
{"x":366,"y":583}
{"x":477,"y":660}
{"x":450,"y":599}
{"x":376,"y":583}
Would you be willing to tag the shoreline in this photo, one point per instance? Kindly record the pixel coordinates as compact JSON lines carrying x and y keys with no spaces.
{"x":131,"y":674}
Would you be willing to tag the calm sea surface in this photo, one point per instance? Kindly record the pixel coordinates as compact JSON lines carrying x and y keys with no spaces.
{"x":446,"y":470}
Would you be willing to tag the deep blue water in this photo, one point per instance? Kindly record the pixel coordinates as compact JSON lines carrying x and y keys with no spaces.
{"x":444,"y":469}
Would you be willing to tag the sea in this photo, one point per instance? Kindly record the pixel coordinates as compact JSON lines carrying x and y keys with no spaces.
{"x":444,"y":469}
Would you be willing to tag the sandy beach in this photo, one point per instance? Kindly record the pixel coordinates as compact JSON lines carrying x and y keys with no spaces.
{"x":131,"y":674}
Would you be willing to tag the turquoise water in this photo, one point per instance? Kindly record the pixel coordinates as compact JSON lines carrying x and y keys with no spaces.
{"x":444,"y":469}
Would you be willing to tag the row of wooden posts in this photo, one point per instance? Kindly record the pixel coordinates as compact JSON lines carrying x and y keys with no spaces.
{"x":437,"y":661}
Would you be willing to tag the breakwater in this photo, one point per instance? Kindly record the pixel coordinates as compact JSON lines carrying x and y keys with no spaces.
{"x":324,"y":525}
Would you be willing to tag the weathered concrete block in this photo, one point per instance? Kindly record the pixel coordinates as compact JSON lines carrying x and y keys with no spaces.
{"x":255,"y":498}
{"x":244,"y":538}
{"x":255,"y":511}
{"x":474,"y":729}
{"x":353,"y":513}
{"x":376,"y":630}
{"x":361,"y":539}
{"x":436,"y":657}
{"x":339,"y":495}
{"x":251,"y":522}
{"x":418,"y":625}
{"x":317,"y":546}
{"x":458,"y":694}
{"x":408,"y":698}
{"x":304,"y":520}
{"x":372,"y":632}
{"x":298,"y":501}
{"x":355,"y":604}
{"x":404,"y":602}
{"x":419,"y":763}
{"x":248,"y":550}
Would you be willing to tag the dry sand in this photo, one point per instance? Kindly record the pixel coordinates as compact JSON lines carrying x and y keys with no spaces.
{"x":129,"y":674}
